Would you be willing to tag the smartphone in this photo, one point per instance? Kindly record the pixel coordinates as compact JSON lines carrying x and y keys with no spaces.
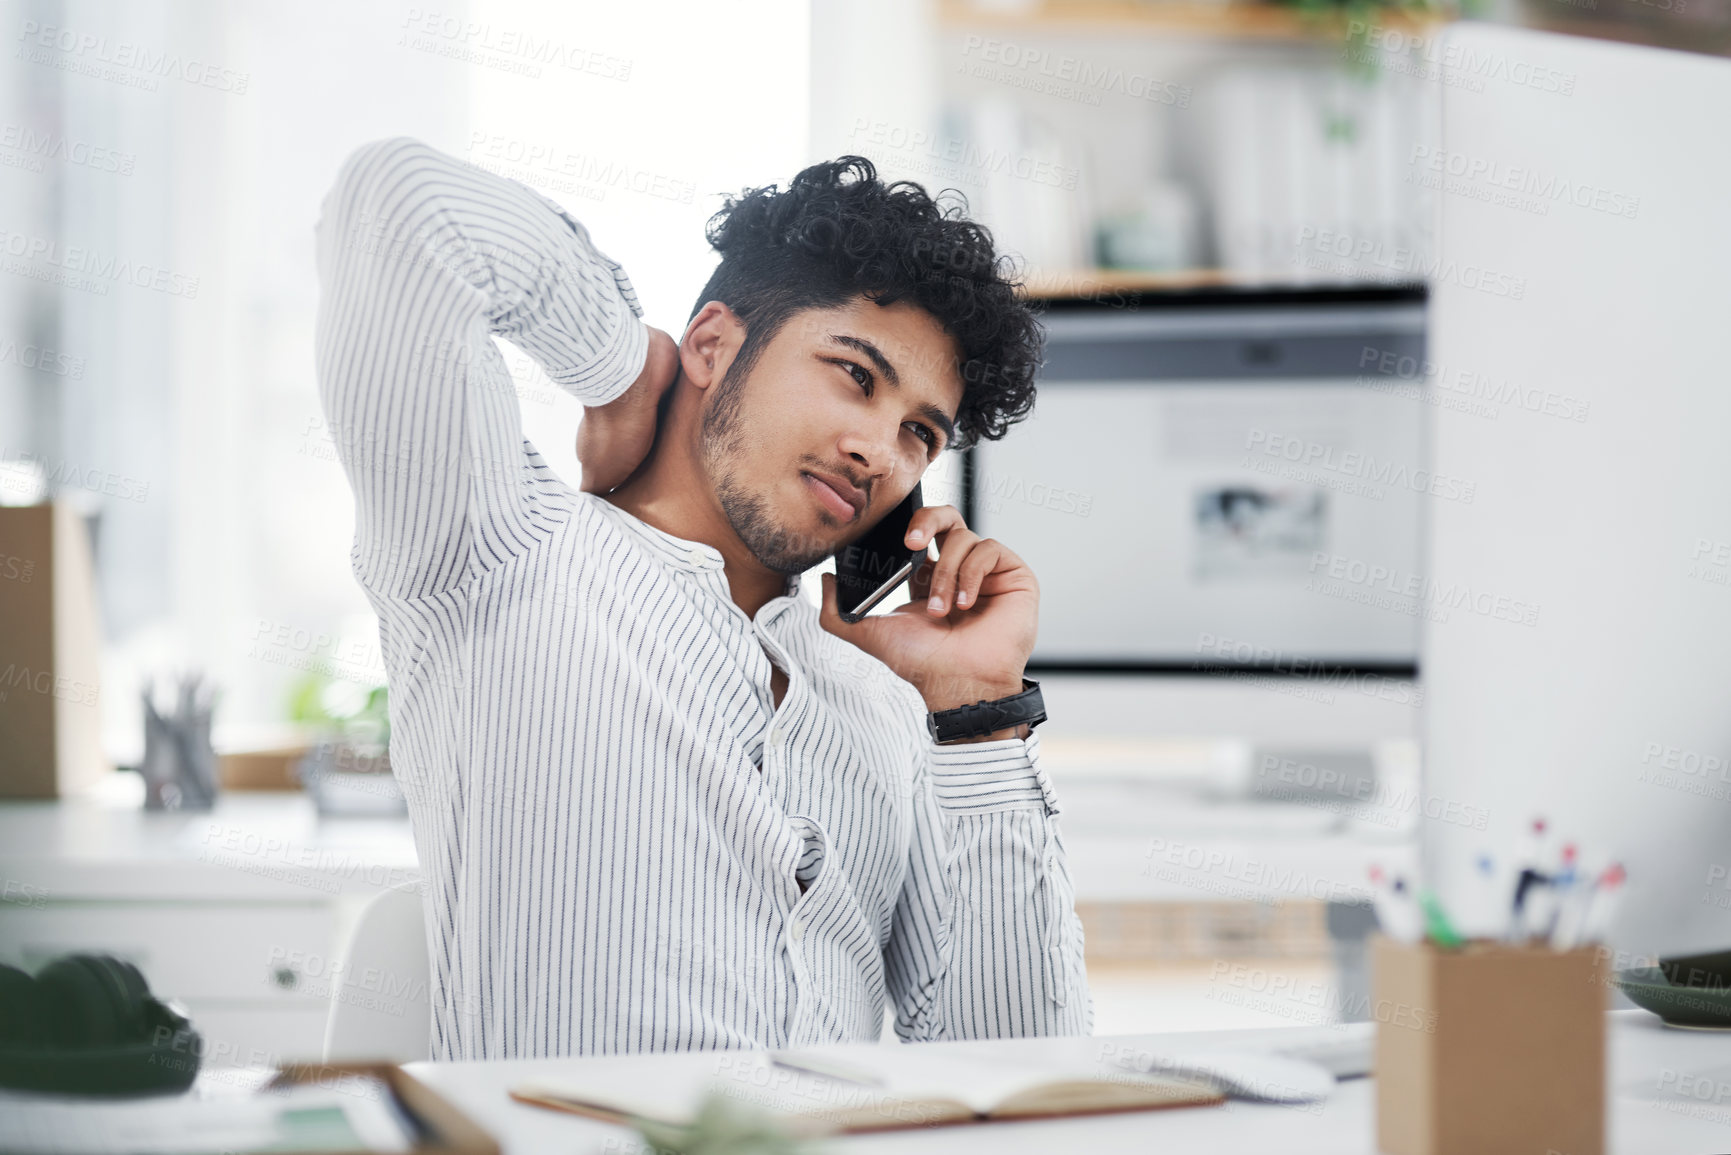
{"x":869,"y":570}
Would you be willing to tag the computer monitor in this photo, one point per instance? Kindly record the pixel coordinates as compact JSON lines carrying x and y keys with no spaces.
{"x":1202,"y":471}
{"x":1582,"y":669}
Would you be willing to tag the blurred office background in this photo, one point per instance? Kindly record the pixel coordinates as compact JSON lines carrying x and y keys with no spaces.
{"x":1234,"y":199}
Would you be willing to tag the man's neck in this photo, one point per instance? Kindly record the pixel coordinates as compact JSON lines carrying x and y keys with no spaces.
{"x":671,"y":494}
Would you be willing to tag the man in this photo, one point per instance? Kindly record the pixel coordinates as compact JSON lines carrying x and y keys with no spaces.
{"x":661,"y":801}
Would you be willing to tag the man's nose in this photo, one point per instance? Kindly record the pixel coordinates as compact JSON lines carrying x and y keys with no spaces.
{"x":877,"y":458}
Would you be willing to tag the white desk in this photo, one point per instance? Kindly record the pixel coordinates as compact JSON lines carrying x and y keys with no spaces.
{"x":1655,"y":1107}
{"x":237,"y":912}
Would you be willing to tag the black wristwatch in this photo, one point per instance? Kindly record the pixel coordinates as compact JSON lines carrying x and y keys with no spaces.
{"x":983,"y":717}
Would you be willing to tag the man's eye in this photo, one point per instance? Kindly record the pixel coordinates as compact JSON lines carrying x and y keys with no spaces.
{"x":863,"y":376}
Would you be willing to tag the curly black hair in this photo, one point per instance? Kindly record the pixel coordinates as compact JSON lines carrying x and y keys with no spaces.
{"x":828,"y":239}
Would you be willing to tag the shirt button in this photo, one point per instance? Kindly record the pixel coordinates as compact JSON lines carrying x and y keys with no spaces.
{"x":694,"y":556}
{"x":775,"y":736}
{"x":796,"y":929}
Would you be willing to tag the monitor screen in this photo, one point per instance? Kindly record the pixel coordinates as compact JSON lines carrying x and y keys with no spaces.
{"x":1221,"y":481}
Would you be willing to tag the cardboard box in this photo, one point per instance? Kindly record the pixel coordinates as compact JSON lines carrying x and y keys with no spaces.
{"x":261,"y":769}
{"x":1487,"y":1049}
{"x":50,"y":654}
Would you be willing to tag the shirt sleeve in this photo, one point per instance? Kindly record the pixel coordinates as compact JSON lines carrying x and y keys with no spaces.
{"x":422,"y":260}
{"x":985,"y":942}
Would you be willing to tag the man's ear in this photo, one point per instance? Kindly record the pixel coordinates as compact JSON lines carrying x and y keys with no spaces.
{"x":711,"y":341}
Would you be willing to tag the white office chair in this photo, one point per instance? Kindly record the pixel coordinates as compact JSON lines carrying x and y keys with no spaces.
{"x":381,"y":1007}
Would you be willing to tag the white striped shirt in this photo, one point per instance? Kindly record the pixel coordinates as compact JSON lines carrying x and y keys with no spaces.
{"x":628,"y":846}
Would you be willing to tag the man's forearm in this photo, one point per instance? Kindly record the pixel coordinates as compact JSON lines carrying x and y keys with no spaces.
{"x":420,"y":258}
{"x":544,"y":285}
{"x":990,"y":890}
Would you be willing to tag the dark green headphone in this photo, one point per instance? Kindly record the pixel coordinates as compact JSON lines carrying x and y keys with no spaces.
{"x":88,"y":1025}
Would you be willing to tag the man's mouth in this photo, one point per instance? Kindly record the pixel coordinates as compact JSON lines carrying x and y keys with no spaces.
{"x":831,"y":498}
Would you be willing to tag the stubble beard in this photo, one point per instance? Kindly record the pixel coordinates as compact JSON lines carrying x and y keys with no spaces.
{"x":722,"y":440}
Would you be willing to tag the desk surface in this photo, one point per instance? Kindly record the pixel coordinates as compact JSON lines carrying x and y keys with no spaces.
{"x":1663,"y":1085}
{"x":252,"y":846}
{"x":1128,"y":842}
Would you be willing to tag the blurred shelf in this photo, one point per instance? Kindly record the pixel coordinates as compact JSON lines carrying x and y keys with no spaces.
{"x":1231,"y":19}
{"x":1200,"y":931}
{"x":1092,"y":282}
{"x":1633,"y":23}
{"x":1080,"y":284}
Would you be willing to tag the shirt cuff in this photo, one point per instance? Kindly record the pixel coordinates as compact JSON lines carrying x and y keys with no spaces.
{"x":987,"y":777}
{"x":605,"y":374}
{"x":613,"y":370}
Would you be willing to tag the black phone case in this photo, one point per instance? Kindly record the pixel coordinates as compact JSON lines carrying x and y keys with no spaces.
{"x":869,"y":570}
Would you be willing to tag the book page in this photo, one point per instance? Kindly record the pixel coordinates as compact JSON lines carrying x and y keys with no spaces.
{"x":673,"y":1092}
{"x":859,"y":1089}
{"x":985,"y":1083}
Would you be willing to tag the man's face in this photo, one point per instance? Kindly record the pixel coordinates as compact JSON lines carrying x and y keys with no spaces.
{"x":864,"y":394}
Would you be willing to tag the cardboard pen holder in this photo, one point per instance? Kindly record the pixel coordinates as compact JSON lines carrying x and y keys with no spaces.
{"x":1491,"y":1048}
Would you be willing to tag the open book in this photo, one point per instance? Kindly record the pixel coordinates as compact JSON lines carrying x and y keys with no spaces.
{"x":861,"y":1088}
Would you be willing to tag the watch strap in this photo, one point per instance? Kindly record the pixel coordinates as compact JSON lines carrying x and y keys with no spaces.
{"x":988,"y":717}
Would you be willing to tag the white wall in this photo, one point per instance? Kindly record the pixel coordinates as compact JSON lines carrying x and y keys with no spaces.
{"x":236,"y":560}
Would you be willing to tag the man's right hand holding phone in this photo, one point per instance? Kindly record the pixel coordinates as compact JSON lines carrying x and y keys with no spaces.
{"x":615,"y":438}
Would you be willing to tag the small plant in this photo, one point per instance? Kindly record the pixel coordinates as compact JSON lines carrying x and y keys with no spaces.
{"x":722,"y":1127}
{"x":357,"y":714}
{"x":1357,"y":21}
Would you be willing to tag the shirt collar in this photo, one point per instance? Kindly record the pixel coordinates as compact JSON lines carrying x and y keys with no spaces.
{"x":677,"y":552}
